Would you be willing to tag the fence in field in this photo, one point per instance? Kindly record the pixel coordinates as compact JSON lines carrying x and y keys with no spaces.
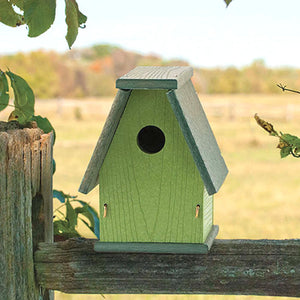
{"x":234,"y":111}
{"x":215,"y":109}
{"x":221,"y":108}
{"x":31,"y":265}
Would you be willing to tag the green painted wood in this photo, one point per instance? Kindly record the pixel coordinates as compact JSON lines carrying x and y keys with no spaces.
{"x":199,"y":136}
{"x":170,"y":248}
{"x":175,"y":248}
{"x":189,"y":114}
{"x":152,"y":77}
{"x":91,"y":176}
{"x":150,"y":197}
{"x":210,"y":238}
{"x":207,"y":213}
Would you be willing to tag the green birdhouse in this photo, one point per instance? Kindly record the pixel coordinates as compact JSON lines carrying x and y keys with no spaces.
{"x":158,"y":166}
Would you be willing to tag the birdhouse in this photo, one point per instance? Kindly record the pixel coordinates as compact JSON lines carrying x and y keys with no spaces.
{"x":158,"y":166}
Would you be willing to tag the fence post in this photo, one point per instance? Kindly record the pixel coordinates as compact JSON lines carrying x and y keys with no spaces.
{"x":25,"y":208}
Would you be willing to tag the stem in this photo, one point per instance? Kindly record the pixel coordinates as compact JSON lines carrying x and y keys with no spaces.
{"x":283,"y":87}
{"x":58,"y":208}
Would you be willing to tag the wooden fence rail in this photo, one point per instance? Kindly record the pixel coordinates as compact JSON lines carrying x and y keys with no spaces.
{"x":246,"y":267}
{"x":256,"y":267}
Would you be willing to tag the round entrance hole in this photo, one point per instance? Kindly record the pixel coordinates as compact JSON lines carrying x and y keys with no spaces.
{"x":151,"y":139}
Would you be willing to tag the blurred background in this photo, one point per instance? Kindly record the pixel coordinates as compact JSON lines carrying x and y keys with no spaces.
{"x":238,"y":53}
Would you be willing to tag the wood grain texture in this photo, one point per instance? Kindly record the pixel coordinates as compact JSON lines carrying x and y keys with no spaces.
{"x":241,"y":267}
{"x":189,"y":113}
{"x":169,"y":248}
{"x":199,"y":136}
{"x":46,"y":188}
{"x":207,"y":213}
{"x":150,"y":197}
{"x":152,"y":77}
{"x":17,"y":160}
{"x":91,"y":176}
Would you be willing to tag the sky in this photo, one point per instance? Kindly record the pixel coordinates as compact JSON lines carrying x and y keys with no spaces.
{"x":202,"y":32}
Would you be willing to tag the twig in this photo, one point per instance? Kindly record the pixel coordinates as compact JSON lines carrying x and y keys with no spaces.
{"x":283,"y":87}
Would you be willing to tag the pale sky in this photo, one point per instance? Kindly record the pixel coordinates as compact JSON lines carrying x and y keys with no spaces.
{"x":203,"y":32}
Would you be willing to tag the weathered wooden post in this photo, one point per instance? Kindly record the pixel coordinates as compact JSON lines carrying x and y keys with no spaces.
{"x":25,"y":207}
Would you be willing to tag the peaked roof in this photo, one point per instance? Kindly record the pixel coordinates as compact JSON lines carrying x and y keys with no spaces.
{"x":188,"y":111}
{"x":164,"y":78}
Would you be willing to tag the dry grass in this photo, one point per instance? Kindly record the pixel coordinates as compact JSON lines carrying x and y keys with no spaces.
{"x":261,"y":195}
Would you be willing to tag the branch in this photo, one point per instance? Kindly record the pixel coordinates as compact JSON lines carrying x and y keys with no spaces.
{"x":283,"y":87}
{"x":245,"y":267}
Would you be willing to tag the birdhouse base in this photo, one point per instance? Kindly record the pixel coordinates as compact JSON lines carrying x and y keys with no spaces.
{"x":170,"y":248}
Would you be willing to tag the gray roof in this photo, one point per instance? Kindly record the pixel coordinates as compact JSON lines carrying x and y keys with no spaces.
{"x":163,"y":78}
{"x":188,"y":111}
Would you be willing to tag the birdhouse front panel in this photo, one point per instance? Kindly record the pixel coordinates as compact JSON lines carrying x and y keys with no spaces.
{"x":150,"y":187}
{"x":158,"y":166}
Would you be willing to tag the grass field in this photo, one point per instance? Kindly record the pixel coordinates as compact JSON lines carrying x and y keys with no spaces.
{"x":261,"y":195}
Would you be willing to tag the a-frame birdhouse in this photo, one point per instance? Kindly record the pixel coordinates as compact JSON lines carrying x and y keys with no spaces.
{"x":158,"y":165}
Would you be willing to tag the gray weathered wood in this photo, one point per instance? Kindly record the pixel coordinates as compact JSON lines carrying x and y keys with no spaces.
{"x":247,"y":267}
{"x":171,"y":248}
{"x":46,"y":184}
{"x":155,"y":78}
{"x":91,"y":176}
{"x":18,"y":188}
{"x":199,"y":136}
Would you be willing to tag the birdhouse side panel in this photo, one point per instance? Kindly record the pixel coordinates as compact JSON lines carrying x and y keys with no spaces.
{"x":208,"y":206}
{"x":151,"y":193}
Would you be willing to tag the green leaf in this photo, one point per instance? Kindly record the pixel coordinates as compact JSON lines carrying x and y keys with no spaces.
{"x":4,"y":96}
{"x":24,"y":98}
{"x":63,"y":228}
{"x":60,"y":226}
{"x":45,"y":125}
{"x":284,"y":152}
{"x":71,"y":215}
{"x":81,"y":19}
{"x":85,"y":212}
{"x":39,"y":15}
{"x":288,"y":138}
{"x":227,"y":2}
{"x":19,"y":3}
{"x":92,"y":214}
{"x":8,"y":16}
{"x":292,"y":140}
{"x":60,"y":195}
{"x":53,"y":166}
{"x":74,"y":19}
{"x":87,"y":224}
{"x":23,"y":92}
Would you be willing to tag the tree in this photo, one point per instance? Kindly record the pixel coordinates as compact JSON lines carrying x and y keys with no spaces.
{"x":39,"y":16}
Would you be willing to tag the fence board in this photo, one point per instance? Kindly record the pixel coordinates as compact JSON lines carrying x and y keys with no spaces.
{"x":247,"y":267}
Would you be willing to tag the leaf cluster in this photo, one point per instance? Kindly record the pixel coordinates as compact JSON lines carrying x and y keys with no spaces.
{"x":288,"y":144}
{"x":39,"y":16}
{"x":66,"y":222}
{"x":24,"y":101}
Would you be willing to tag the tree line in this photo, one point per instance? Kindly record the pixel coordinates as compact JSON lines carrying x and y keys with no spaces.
{"x":92,"y":72}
